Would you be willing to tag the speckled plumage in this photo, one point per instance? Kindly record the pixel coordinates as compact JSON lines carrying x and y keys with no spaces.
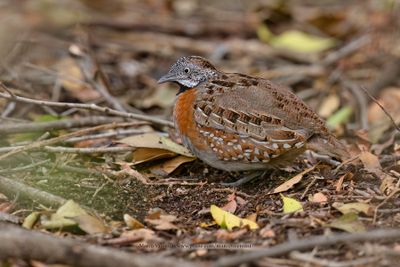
{"x":237,"y":122}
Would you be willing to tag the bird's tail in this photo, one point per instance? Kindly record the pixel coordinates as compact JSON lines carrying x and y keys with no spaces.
{"x":328,"y":145}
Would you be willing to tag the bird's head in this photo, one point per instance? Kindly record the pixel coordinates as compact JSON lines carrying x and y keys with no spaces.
{"x":189,"y":72}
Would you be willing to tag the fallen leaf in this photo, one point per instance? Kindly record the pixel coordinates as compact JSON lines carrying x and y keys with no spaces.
{"x":169,"y":166}
{"x":291,"y":205}
{"x":132,"y":223}
{"x":156,"y":140}
{"x":161,"y":221}
{"x":142,"y":155}
{"x":231,"y":206}
{"x":339,"y":117}
{"x":319,"y":198}
{"x":90,"y":224}
{"x":295,"y":41}
{"x":348,"y":222}
{"x":226,"y":235}
{"x":267,"y":232}
{"x":354,"y":207}
{"x":228,"y":221}
{"x":72,"y":80}
{"x":71,"y":214}
{"x":292,"y":181}
{"x":370,"y":161}
{"x":31,"y":220}
{"x":329,"y":105}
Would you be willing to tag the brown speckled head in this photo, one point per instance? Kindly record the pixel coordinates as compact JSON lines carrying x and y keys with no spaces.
{"x":190,"y":72}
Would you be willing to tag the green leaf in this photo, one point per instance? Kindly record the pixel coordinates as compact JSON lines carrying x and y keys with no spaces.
{"x":348,"y":222}
{"x":291,"y":205}
{"x":339,"y":117}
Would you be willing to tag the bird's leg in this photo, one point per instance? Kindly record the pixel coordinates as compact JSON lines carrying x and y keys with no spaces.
{"x":246,"y":178}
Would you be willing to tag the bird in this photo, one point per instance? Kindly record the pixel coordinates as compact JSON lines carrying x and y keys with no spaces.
{"x":236,"y":122}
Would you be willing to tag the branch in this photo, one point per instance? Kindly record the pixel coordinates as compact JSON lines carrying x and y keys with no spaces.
{"x":12,"y":188}
{"x":309,"y":243}
{"x":39,"y":144}
{"x":28,"y":245}
{"x":56,"y":125}
{"x":93,"y":107}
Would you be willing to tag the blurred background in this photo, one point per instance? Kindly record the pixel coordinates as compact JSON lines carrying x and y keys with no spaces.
{"x":323,"y":50}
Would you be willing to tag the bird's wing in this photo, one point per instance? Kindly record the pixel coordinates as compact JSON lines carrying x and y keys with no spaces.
{"x":256,"y":110}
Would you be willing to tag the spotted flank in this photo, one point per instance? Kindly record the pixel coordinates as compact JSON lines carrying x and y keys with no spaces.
{"x":228,"y":147}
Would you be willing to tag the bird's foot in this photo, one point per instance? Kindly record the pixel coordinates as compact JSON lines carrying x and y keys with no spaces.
{"x":245,"y":179}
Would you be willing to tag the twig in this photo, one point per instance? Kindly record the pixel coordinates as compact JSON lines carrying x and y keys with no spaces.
{"x":32,"y":245}
{"x":39,"y":144}
{"x":11,"y":187}
{"x":5,"y":88}
{"x":84,"y":64}
{"x":26,"y":167}
{"x":104,"y":135}
{"x":380,"y":105}
{"x":88,"y":150}
{"x":396,"y":191}
{"x":93,"y":107}
{"x":327,"y":263}
{"x":56,"y":125}
{"x":304,"y":244}
{"x":6,"y":217}
{"x":346,"y":50}
{"x":361,"y":99}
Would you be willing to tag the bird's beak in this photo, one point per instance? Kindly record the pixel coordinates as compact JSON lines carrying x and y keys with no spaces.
{"x":169,"y":77}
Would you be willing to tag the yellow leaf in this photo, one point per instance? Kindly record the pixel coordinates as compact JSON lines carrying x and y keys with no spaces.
{"x":227,"y":220}
{"x":302,"y":42}
{"x":290,"y":205}
{"x":292,"y":181}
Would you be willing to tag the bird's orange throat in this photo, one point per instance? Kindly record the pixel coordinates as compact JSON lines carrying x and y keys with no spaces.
{"x":184,"y":117}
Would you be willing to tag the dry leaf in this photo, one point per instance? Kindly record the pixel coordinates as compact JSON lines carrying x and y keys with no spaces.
{"x":156,"y":140}
{"x":132,"y":223}
{"x":161,"y":221}
{"x":370,"y":161}
{"x":319,"y":198}
{"x":71,"y":78}
{"x":223,"y":234}
{"x":169,"y":166}
{"x":90,"y":224}
{"x":329,"y":105}
{"x":291,"y":182}
{"x":267,"y":232}
{"x":354,"y":207}
{"x":348,"y":222}
{"x":142,"y":155}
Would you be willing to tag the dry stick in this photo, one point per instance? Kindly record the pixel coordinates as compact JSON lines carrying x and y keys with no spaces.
{"x":11,"y":188}
{"x":304,"y":244}
{"x":93,"y":107}
{"x":56,"y":125}
{"x":88,"y":150}
{"x":61,"y":138}
{"x":32,"y":245}
{"x":383,"y":109}
{"x":308,"y":258}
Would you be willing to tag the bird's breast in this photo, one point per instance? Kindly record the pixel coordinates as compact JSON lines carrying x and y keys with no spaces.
{"x":185,"y":122}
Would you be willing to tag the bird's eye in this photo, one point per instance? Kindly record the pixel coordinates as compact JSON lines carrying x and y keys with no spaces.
{"x":186,"y":70}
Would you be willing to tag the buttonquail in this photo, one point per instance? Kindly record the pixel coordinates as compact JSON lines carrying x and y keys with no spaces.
{"x":235,"y":122}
